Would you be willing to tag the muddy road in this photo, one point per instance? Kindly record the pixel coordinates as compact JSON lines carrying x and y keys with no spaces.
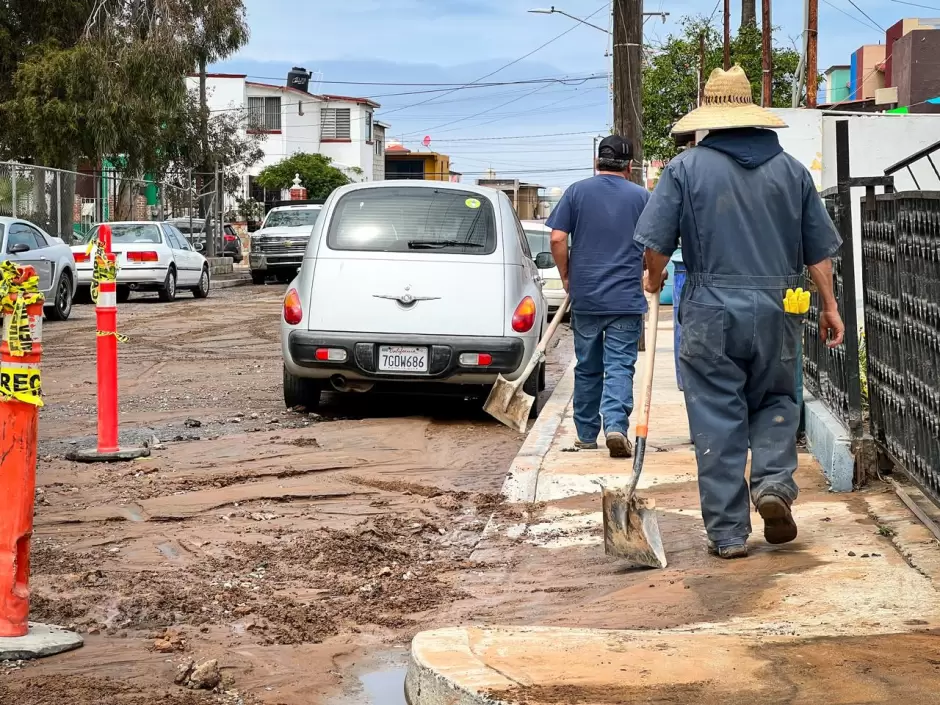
{"x":293,"y":549}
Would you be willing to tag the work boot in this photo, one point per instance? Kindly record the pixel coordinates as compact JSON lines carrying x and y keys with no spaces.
{"x":619,"y":445}
{"x":729,"y":551}
{"x":779,"y":526}
{"x":585,"y":445}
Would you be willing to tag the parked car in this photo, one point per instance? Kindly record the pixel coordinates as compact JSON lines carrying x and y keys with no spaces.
{"x":277,"y":249}
{"x":150,"y":257}
{"x":195,"y":232}
{"x":412,"y":286}
{"x":540,"y":242}
{"x":27,"y":244}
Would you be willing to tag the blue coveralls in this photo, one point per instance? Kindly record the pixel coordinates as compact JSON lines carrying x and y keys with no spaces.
{"x":750,"y":218}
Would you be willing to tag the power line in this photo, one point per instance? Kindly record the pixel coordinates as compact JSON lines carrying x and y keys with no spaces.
{"x":850,"y":15}
{"x":519,"y":137}
{"x":501,"y":68}
{"x":852,"y":3}
{"x":915,"y":4}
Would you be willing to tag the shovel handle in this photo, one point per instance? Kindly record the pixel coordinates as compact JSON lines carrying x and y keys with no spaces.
{"x":539,"y":353}
{"x":643,"y":419}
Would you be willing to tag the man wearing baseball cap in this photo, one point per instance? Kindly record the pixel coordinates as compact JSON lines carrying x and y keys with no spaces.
{"x":603,"y":272}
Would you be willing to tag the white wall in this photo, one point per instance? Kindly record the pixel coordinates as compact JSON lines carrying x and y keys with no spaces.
{"x":802,"y":138}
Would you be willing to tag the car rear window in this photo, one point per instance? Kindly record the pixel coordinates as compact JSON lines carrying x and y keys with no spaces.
{"x":295,"y":218}
{"x":413,"y":219}
{"x":129,"y":233}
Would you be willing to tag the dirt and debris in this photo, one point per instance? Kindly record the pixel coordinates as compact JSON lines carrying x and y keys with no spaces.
{"x":243,"y":540}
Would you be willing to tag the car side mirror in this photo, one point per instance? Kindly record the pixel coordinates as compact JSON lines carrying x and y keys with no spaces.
{"x":199,"y":247}
{"x":544,"y":260}
{"x":18,"y":248}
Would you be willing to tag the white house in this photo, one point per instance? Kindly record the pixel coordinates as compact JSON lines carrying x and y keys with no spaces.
{"x":340,"y":127}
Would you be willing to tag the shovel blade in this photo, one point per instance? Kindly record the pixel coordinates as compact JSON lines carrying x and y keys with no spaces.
{"x":631,"y":530}
{"x":509,"y":405}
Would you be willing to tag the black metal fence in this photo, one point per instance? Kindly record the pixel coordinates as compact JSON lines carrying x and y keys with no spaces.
{"x":900,"y":258}
{"x":901,"y":263}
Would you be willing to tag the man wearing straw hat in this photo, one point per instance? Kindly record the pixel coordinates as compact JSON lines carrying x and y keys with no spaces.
{"x":750,"y":218}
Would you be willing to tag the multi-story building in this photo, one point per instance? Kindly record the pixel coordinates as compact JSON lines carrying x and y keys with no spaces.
{"x":293,"y":120}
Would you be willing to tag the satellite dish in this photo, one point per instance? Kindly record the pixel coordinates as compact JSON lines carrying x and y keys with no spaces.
{"x":426,"y":141}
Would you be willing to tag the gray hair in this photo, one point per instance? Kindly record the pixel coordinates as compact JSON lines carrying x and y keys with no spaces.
{"x":617,"y":165}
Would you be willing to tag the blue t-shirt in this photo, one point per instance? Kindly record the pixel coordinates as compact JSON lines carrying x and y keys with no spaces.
{"x":605,"y":264}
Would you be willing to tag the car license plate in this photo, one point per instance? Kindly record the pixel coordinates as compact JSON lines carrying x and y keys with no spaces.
{"x":401,"y":358}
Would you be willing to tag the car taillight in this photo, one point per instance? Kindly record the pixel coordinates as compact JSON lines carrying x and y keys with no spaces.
{"x":230,"y":238}
{"x":476,"y":359}
{"x":293,"y":313}
{"x":143,"y":256}
{"x":524,"y":317}
{"x":81,"y":257}
{"x":330,"y":355}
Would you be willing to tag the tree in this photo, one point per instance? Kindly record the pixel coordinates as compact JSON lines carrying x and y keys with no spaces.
{"x":316,"y":172}
{"x":748,"y":13}
{"x":91,"y":79}
{"x":670,"y":78}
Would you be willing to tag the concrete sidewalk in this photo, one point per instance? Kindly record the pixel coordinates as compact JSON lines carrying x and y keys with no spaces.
{"x":839,"y":616}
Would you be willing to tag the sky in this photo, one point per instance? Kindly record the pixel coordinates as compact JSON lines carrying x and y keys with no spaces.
{"x":537,"y":132}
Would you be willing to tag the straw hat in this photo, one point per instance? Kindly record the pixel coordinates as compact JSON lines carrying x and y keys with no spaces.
{"x":727,"y":104}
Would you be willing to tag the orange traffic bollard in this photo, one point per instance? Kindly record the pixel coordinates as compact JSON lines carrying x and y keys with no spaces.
{"x":20,"y":399}
{"x":104,"y":293}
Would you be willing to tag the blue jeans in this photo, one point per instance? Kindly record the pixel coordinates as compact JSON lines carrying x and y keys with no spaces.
{"x":607,"y":349}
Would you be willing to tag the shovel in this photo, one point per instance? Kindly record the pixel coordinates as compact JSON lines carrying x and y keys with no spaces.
{"x":631,"y":530}
{"x":507,"y":402}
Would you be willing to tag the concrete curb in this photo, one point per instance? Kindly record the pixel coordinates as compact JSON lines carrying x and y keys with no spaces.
{"x":230,"y":283}
{"x":830,"y":443}
{"x":521,"y":484}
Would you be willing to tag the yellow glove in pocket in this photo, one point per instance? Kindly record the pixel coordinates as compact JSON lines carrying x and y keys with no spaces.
{"x":796,"y":302}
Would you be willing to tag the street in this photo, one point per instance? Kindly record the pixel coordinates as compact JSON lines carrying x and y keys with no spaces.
{"x":289,"y":547}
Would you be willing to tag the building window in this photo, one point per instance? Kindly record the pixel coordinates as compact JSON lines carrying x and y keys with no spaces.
{"x":379,"y":147}
{"x":334,"y":124}
{"x":369,"y":128}
{"x":264,"y":114}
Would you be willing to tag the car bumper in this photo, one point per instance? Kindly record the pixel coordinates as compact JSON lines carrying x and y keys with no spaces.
{"x":262,"y":262}
{"x":129,"y":276}
{"x":362,"y":352}
{"x":554,"y":298}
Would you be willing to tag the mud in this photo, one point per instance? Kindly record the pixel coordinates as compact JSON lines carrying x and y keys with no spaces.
{"x":286,"y":546}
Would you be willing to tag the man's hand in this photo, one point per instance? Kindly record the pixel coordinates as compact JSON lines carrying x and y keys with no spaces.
{"x":831,"y":327}
{"x":654,"y":285}
{"x":564,"y":283}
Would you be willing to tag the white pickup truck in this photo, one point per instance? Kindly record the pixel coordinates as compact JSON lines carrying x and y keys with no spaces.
{"x":277,"y":249}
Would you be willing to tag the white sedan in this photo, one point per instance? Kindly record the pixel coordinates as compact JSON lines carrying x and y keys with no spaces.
{"x":150,"y":257}
{"x":539,"y":236}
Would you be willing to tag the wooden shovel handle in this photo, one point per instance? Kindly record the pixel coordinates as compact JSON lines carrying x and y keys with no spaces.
{"x":643,"y":420}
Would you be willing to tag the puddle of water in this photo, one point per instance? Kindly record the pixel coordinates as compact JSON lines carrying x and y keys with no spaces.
{"x":385,"y":687}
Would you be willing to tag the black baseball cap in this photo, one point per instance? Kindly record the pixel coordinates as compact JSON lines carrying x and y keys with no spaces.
{"x":614,"y":147}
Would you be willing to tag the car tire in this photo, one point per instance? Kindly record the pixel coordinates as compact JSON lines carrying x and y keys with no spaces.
{"x":531,"y":387}
{"x":258,"y":278}
{"x":202,"y":290}
{"x":62,"y":303}
{"x":122,"y":294}
{"x":301,"y":393}
{"x":168,"y":290}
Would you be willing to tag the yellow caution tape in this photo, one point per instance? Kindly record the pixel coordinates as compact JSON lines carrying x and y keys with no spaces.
{"x":21,"y":383}
{"x":104,"y":270}
{"x":105,"y":333}
{"x":796,"y":302}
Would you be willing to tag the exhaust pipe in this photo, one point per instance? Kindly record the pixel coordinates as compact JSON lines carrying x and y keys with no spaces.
{"x":341,"y":384}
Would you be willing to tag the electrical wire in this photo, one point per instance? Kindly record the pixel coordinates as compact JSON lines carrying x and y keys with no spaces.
{"x":850,"y":15}
{"x":865,"y":14}
{"x":501,"y":68}
{"x":916,"y":4}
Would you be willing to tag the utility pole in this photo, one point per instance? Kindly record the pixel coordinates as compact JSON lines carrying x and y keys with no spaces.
{"x":204,"y":135}
{"x":767,"y":58}
{"x":701,"y":68}
{"x":749,"y":13}
{"x":800,"y":74}
{"x":812,"y":46}
{"x":727,"y":34}
{"x":628,"y":73}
